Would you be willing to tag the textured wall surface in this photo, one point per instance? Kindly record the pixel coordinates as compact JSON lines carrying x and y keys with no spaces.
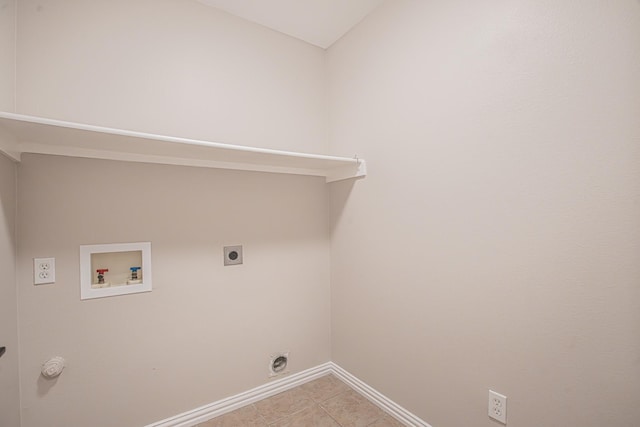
{"x":170,"y":67}
{"x":7,"y":54}
{"x":495,"y":242}
{"x":9,"y":384}
{"x":206,"y":331}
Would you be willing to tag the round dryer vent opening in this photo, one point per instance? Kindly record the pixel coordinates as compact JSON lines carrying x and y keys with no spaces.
{"x":278,"y":364}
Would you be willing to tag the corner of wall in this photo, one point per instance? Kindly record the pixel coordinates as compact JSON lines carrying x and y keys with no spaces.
{"x":9,"y":375}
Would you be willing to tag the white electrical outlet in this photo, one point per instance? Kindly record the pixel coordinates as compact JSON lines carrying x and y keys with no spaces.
{"x":498,"y":407}
{"x":44,"y":271}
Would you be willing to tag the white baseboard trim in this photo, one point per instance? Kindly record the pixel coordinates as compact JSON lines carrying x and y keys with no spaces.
{"x":380,"y":400}
{"x":206,"y":412}
{"x":215,"y":409}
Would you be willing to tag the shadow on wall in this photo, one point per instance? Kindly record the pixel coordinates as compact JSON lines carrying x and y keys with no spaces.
{"x":6,"y":209}
{"x":339,"y":194}
{"x":45,"y":384}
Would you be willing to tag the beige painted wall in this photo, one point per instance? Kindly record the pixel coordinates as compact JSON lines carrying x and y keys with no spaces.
{"x":206,"y":331}
{"x":171,"y":67}
{"x":495,"y":241}
{"x":7,"y":54}
{"x":9,"y":384}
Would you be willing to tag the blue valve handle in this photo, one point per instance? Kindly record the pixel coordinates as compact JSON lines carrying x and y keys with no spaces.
{"x":134,"y":273}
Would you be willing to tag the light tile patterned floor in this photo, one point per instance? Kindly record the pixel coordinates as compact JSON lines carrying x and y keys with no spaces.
{"x":325,"y":402}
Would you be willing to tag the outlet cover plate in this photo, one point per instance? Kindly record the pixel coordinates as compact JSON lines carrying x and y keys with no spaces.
{"x":44,"y":271}
{"x":233,"y":255}
{"x":498,"y":407}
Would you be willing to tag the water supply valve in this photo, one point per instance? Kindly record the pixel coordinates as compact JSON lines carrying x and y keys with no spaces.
{"x":135,"y":277}
{"x":101,"y":272}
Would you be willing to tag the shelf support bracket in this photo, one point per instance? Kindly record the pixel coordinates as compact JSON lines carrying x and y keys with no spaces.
{"x":357,"y":170}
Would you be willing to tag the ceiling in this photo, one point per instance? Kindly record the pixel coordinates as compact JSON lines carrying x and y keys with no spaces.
{"x":319,"y":22}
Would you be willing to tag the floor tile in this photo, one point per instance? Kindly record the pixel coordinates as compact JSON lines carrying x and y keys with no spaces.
{"x":247,"y":416}
{"x":387,"y":421}
{"x":350,"y":409}
{"x":324,"y":388}
{"x":281,"y":405}
{"x":314,"y":416}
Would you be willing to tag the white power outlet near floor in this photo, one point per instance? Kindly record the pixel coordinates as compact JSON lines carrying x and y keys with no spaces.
{"x":498,"y":406}
{"x":44,"y":271}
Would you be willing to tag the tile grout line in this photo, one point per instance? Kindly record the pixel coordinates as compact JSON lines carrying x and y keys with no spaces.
{"x":255,"y":408}
{"x":329,"y":414}
{"x":333,"y":397}
{"x":319,"y":404}
{"x":313,"y":402}
{"x":293,"y":414}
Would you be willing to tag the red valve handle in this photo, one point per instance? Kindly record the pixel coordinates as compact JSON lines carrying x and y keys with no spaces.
{"x":102,"y":270}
